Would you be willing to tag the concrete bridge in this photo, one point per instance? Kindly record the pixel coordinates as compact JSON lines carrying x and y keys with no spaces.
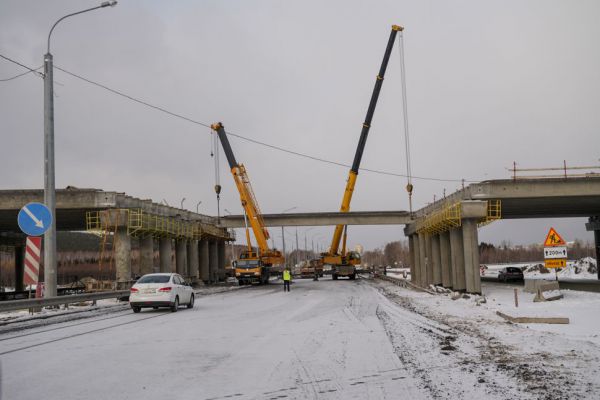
{"x":198,"y":243}
{"x":443,"y":236}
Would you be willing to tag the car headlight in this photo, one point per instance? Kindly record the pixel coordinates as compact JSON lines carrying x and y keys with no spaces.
{"x":237,"y":274}
{"x":257,"y":273}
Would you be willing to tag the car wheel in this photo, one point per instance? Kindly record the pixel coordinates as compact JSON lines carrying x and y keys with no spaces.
{"x":136,"y":309}
{"x":155,"y":308}
{"x":191,"y":303}
{"x":175,"y":305}
{"x":334,"y":277}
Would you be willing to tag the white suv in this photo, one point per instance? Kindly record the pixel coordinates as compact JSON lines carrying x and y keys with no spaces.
{"x":161,"y":290}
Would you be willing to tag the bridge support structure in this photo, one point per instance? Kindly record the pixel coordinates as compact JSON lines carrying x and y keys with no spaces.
{"x":445,"y":248}
{"x":594,"y":225}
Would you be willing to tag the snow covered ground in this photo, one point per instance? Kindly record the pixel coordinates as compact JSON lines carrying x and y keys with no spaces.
{"x":584,"y":268}
{"x":363,"y":339}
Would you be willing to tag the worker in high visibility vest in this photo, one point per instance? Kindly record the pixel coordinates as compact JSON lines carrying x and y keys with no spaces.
{"x":287,"y":277}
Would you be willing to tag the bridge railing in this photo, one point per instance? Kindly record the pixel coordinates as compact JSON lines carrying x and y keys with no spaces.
{"x":12,"y":305}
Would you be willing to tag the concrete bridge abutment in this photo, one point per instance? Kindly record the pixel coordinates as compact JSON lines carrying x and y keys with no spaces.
{"x":193,"y":260}
{"x":204,"y":255}
{"x":146,"y":255}
{"x":165,"y":254}
{"x":446,"y":259}
{"x":122,"y":243}
{"x":213,"y":261}
{"x":181,"y":257}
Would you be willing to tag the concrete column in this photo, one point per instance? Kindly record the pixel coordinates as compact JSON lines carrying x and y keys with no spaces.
{"x":122,"y":257}
{"x":458,"y":259}
{"x":19,"y":268}
{"x":204,"y":261}
{"x":416,"y":259}
{"x":181,"y":257}
{"x":422,"y":260}
{"x":428,"y":259}
{"x":471,"y":252}
{"x":213,"y":261}
{"x":193,"y":260}
{"x":221,"y":254}
{"x":436,"y":260}
{"x":597,"y":244}
{"x":165,"y":250}
{"x":146,"y":255}
{"x":445,"y":259}
{"x":411,"y":252}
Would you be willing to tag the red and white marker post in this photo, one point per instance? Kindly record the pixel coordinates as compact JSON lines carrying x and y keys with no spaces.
{"x":33,"y":251}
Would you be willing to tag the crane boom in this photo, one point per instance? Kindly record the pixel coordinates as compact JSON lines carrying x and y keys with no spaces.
{"x":345,"y":207}
{"x":249,"y":202}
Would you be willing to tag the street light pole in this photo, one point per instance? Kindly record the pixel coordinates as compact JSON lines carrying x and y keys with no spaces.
{"x":50,"y":267}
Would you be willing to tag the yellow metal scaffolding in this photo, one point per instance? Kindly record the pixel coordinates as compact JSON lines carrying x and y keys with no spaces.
{"x":450,"y":217}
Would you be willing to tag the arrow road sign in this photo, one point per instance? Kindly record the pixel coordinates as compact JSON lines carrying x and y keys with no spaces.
{"x":34,"y":219}
{"x":555,"y":252}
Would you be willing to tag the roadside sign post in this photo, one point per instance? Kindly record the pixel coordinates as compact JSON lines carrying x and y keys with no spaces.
{"x":555,"y":251}
{"x":34,"y":219}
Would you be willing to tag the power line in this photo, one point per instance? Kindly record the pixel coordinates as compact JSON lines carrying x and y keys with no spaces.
{"x":282,"y":149}
{"x":34,"y":70}
{"x":18,"y":76}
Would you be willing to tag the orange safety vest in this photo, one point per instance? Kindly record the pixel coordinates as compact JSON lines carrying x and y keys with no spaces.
{"x":286,"y":275}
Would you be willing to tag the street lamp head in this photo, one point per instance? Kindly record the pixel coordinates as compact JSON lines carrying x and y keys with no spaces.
{"x":111,"y":3}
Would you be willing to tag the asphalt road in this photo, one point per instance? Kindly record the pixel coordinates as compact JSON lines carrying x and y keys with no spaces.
{"x":323,"y":340}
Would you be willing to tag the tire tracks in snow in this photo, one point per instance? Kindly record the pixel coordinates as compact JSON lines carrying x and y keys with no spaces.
{"x":456,"y":359}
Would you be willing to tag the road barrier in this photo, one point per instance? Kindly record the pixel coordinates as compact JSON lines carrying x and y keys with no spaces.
{"x":12,"y":305}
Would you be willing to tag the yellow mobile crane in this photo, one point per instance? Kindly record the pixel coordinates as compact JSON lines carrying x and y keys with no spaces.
{"x":251,"y":266}
{"x":344,"y":263}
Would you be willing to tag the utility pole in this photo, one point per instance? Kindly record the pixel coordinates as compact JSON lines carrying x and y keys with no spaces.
{"x":283,"y":244}
{"x":305,"y":248}
{"x":50,"y":265}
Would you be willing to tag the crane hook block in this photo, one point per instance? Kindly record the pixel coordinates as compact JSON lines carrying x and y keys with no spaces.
{"x":409,"y":188}
{"x":218,"y":189}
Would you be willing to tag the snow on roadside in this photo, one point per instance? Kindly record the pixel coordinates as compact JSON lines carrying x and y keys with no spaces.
{"x":552,"y":361}
{"x":584,"y":268}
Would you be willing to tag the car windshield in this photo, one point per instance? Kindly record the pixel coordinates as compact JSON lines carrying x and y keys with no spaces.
{"x":247,"y":263}
{"x":154,"y":279}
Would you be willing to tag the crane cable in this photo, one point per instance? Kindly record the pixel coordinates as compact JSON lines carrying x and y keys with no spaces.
{"x":214,"y":152}
{"x":409,"y":186}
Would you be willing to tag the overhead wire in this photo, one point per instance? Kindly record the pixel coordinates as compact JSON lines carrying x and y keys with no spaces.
{"x":258,"y":142}
{"x":29,"y":69}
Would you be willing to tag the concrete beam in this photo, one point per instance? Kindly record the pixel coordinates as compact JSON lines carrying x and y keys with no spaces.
{"x":324,"y":219}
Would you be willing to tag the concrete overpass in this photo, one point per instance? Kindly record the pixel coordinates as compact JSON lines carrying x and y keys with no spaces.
{"x":443,"y":238}
{"x":198,"y":243}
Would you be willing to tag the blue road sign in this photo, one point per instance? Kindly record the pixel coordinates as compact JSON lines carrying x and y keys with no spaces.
{"x":34,"y":219}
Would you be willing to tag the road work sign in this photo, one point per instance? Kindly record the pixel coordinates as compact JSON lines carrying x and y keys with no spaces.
{"x":554,"y":239}
{"x":551,"y":263}
{"x":555,"y":252}
{"x":34,"y":219}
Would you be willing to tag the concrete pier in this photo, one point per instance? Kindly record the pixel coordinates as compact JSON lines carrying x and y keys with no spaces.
{"x":122,"y":243}
{"x":411,"y":252}
{"x":181,"y":257}
{"x":457,"y":259}
{"x":422,"y":259}
{"x":436,"y":260}
{"x":417,"y":278}
{"x":213,"y":261}
{"x":428,"y":260}
{"x":471,"y":254}
{"x":165,"y":250}
{"x":19,"y":268}
{"x":146,"y":255}
{"x":193,"y":261}
{"x":204,"y":256}
{"x":221,"y":265}
{"x":446,"y":259}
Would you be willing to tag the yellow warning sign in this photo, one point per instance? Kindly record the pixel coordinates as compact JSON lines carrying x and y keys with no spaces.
{"x":556,"y":263}
{"x":554,"y":239}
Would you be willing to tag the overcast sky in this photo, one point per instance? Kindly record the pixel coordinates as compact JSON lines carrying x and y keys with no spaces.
{"x":488,"y":83}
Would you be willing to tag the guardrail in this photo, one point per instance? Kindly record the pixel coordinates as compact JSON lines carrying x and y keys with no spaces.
{"x":12,"y":305}
{"x":26,"y":294}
